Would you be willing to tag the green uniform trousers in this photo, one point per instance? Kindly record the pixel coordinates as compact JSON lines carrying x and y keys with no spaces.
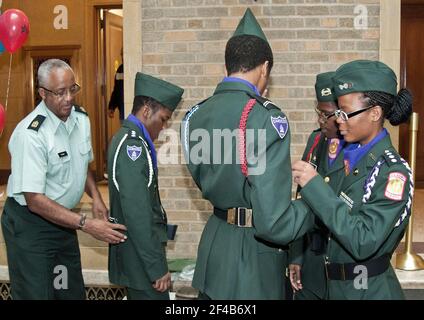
{"x":306,"y":294}
{"x":43,"y":258}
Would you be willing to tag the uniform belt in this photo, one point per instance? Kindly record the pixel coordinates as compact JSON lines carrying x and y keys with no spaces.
{"x":346,"y":271}
{"x":241,"y":217}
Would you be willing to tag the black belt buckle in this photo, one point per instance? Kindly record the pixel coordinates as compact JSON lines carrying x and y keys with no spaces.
{"x":335,"y":271}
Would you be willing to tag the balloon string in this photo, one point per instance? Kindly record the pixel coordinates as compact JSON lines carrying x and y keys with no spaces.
{"x":8,"y":81}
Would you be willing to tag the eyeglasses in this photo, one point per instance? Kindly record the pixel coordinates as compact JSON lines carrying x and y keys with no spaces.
{"x":324,"y":115}
{"x":346,"y":116}
{"x":60,"y":94}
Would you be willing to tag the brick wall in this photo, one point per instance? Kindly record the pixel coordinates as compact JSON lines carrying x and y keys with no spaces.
{"x":183,"y":41}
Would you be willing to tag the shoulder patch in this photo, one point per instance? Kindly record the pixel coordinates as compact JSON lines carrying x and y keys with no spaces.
{"x":281,"y":125}
{"x":134,"y":152}
{"x":391,"y":157}
{"x":37,"y":122}
{"x":395,"y":186}
{"x":267,"y":104}
{"x":80,"y":110}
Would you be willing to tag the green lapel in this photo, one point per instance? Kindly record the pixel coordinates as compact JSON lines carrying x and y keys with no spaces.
{"x":338,"y":163}
{"x":378,"y":151}
{"x":364,"y":165}
{"x":319,"y":156}
{"x":316,"y":152}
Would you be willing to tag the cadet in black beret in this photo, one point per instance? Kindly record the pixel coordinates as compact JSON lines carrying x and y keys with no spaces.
{"x":323,"y":150}
{"x":366,"y":204}
{"x":140,"y":264}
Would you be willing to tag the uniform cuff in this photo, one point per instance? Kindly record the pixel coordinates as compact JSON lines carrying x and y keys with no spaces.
{"x":157,"y":269}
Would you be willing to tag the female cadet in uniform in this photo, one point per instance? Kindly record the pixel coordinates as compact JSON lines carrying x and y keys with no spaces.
{"x":366,"y":209}
{"x":306,"y":269}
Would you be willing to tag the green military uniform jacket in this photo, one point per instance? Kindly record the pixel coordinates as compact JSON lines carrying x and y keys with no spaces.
{"x":366,"y":217}
{"x":135,"y":202}
{"x":235,"y":262}
{"x":313,"y":272}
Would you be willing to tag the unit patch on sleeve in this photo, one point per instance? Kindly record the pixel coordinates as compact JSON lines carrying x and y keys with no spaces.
{"x":281,"y":125}
{"x":133,"y":152}
{"x":395,"y":186}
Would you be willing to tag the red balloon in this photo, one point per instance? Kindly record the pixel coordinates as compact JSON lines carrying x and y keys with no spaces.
{"x":2,"y":118}
{"x":14,"y":29}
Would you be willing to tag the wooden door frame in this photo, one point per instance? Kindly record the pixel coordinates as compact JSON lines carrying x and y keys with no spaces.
{"x":34,"y":52}
{"x":94,"y":79}
{"x":411,"y":9}
{"x":111,"y":124}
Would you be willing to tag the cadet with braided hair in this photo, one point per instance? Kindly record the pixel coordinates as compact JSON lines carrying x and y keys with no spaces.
{"x":397,"y":109}
{"x":366,"y":206}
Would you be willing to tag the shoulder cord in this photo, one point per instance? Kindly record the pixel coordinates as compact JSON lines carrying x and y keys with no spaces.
{"x":186,"y":128}
{"x":186,"y":121}
{"x":115,"y":158}
{"x":372,"y":178}
{"x":242,"y":135}
{"x":149,"y":160}
{"x":308,"y":159}
{"x":314,"y":145}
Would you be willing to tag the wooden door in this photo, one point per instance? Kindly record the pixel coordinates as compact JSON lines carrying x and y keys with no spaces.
{"x":412,"y":77}
{"x":113,"y":59}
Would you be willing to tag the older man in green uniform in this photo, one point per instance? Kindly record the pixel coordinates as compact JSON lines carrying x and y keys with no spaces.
{"x":242,"y":253}
{"x":323,"y":151}
{"x":50,"y":150}
{"x":140,"y":263}
{"x":368,"y":204}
